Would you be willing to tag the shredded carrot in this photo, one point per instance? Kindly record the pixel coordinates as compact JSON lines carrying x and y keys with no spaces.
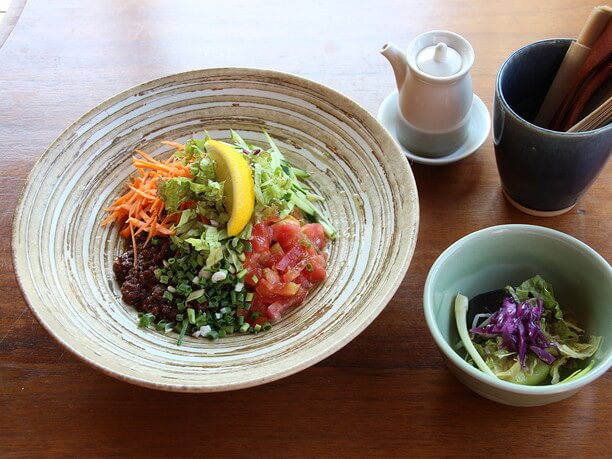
{"x":141,"y":209}
{"x":178,"y":146}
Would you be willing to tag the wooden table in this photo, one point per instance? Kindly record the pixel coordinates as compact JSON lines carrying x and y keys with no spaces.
{"x":388,"y":392}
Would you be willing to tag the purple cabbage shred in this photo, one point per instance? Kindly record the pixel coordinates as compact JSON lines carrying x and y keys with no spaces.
{"x":519,"y":328}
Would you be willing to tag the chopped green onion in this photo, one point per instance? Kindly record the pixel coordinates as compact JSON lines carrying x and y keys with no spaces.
{"x":196,"y":294}
{"x":201,"y":320}
{"x":168,"y":296}
{"x":191,"y":315}
{"x":184,"y":289}
{"x":183,"y":331}
{"x":212,"y":335}
{"x":145,"y":320}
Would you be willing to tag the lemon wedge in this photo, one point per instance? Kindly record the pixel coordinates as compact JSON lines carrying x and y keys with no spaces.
{"x":239,"y":187}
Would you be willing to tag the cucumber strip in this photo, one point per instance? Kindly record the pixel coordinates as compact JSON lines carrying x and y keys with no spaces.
{"x":275,"y":153}
{"x":461,"y":307}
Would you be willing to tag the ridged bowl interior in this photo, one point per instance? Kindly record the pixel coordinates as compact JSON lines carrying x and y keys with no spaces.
{"x":63,"y":257}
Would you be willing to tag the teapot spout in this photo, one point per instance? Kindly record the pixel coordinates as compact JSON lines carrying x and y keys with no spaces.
{"x":398,"y":61}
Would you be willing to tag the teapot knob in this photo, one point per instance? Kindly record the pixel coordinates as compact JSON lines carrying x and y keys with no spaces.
{"x":439,"y":60}
{"x":440,"y":52}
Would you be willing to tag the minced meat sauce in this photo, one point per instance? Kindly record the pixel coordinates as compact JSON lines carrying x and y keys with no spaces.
{"x":139,"y":286}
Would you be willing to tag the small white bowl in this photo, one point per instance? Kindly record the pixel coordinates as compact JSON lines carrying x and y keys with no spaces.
{"x":507,"y":255}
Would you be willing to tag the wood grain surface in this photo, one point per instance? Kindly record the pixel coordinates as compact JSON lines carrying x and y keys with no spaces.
{"x":387,"y":393}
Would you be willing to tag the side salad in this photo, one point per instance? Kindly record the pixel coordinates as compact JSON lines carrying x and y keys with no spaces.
{"x":224,"y":238}
{"x":528,"y":340}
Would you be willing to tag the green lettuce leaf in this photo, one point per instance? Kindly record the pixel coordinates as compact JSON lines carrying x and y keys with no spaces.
{"x":174,"y":192}
{"x":578,"y":350}
{"x":560,"y":331}
{"x":203,"y":170}
{"x":555,"y":369}
{"x":538,"y":287}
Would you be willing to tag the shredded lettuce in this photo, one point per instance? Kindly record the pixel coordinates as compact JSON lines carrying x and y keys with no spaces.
{"x":174,"y":192}
{"x":536,"y":287}
{"x":578,"y":350}
{"x":529,"y":339}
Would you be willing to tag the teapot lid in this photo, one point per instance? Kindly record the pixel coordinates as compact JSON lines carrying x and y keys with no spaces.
{"x":439,"y":60}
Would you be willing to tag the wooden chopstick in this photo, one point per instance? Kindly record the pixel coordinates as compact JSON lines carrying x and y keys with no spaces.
{"x":599,"y":117}
{"x":572,"y":62}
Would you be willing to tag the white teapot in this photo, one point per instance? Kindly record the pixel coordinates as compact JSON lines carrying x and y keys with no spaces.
{"x":435,"y":91}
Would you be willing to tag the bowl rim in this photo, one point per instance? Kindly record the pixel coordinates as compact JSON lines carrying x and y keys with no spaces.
{"x":357,"y":111}
{"x":472,"y":371}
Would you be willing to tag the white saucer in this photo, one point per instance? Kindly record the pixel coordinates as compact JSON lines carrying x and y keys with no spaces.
{"x":479,"y":126}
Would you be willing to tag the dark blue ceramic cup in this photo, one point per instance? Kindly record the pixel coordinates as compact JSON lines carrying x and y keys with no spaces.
{"x":542,"y":172}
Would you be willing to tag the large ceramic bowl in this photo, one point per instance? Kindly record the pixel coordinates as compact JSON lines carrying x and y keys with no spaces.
{"x":504,"y":255}
{"x":63,"y":257}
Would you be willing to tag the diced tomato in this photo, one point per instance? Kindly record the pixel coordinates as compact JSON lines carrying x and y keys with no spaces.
{"x":286,"y":232}
{"x":294,"y":272}
{"x":272,"y":277}
{"x":260,"y":320}
{"x":266,"y":293}
{"x":286,"y":261}
{"x":318,"y":274}
{"x":288,"y":289}
{"x":265,"y":259}
{"x":254,"y":273}
{"x":303,"y":281}
{"x":278,"y":308}
{"x":261,"y":237}
{"x":315,"y":269}
{"x":277,"y":253}
{"x":316,"y":234}
{"x":257,"y":306}
{"x":292,"y":257}
{"x":276,"y":248}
